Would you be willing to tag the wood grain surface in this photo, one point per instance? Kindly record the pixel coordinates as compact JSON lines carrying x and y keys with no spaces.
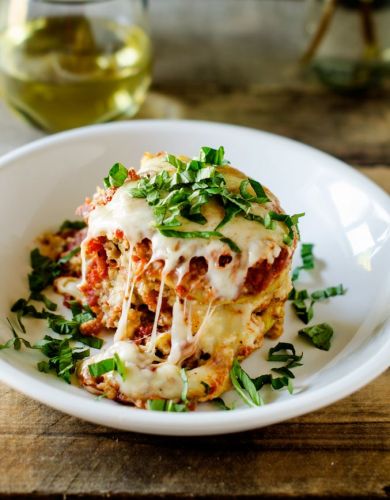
{"x":339,"y":451}
{"x":232,"y":62}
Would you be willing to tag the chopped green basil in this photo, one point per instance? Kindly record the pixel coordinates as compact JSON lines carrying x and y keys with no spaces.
{"x":194,"y":183}
{"x":116,"y":176}
{"x":288,"y":353}
{"x":44,"y":271}
{"x":62,"y":356}
{"x":102,"y":367}
{"x":244,"y":385}
{"x":108,"y":365}
{"x":173,"y":233}
{"x":221,"y":404}
{"x":305,"y":311}
{"x":319,"y":335}
{"x":69,"y":255}
{"x":307,"y":260}
{"x":165,"y":405}
{"x":184,"y":378}
{"x":326,"y":293}
{"x":71,"y":225}
{"x":120,"y":366}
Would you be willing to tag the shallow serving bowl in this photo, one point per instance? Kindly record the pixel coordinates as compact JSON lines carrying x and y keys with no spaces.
{"x":347,"y":218}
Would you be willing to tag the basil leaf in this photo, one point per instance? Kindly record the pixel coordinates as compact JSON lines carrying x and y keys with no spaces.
{"x":319,"y":335}
{"x":221,"y":404}
{"x":39,"y":297}
{"x":165,"y":405}
{"x":174,"y":161}
{"x":284,"y":370}
{"x":116,"y":176}
{"x":331,"y":291}
{"x":172,"y":233}
{"x":261,"y":196}
{"x":102,"y":367}
{"x":72,"y":225}
{"x":66,"y":258}
{"x":156,"y":404}
{"x":44,"y":271}
{"x":62,"y":356}
{"x":231,"y":211}
{"x":63,"y":326}
{"x":231,"y":244}
{"x":89,"y":340}
{"x":212,"y":156}
{"x":286,"y":356}
{"x":120,"y":366}
{"x":244,"y":385}
{"x":304,"y":312}
{"x":184,"y":392}
{"x":307,"y":260}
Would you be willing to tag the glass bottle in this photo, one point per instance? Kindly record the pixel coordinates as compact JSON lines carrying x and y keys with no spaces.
{"x":349,"y":42}
{"x":65,"y":63}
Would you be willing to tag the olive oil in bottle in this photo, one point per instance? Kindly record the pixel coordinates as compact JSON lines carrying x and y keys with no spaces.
{"x":65,"y":72}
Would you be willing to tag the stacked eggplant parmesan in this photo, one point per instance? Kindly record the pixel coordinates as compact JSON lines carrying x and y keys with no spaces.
{"x":186,"y":262}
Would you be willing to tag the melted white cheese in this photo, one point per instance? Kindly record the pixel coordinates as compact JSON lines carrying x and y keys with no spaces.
{"x":135,"y":218}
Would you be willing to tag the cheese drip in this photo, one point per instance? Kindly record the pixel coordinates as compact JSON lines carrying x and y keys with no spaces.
{"x":121,"y":330}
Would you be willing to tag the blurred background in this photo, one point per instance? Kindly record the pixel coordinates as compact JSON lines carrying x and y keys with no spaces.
{"x":314,"y":70}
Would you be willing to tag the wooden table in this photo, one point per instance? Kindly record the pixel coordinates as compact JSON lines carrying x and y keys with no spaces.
{"x":341,"y":451}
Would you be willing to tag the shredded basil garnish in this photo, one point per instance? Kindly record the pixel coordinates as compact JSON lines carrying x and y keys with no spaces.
{"x":221,"y":404}
{"x":116,"y":176}
{"x":62,"y":356}
{"x":195,"y":183}
{"x":319,"y":335}
{"x":72,"y":224}
{"x":244,"y":385}
{"x":108,"y":365}
{"x":248,"y":387}
{"x":307,"y":260}
{"x":68,"y":256}
{"x":305,"y":310}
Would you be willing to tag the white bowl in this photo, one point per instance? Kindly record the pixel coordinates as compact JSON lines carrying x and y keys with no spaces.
{"x":347,"y":217}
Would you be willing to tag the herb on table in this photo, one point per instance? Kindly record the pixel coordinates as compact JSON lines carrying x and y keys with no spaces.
{"x":319,"y":335}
